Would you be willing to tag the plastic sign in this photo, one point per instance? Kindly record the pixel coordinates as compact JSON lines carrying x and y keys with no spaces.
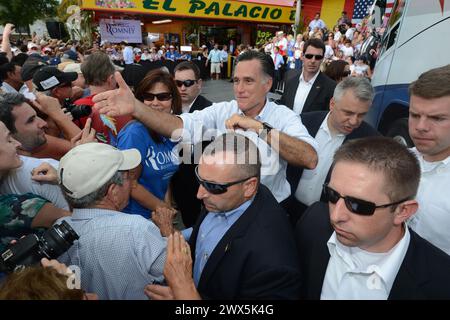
{"x":216,"y":9}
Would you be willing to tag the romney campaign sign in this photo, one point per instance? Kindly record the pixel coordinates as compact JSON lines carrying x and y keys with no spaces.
{"x":121,"y":30}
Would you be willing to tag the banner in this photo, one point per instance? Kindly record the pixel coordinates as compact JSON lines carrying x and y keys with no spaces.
{"x":116,"y":31}
{"x":212,"y":9}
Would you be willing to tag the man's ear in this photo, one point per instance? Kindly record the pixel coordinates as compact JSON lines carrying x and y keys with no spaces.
{"x":332,"y":103}
{"x":250,"y":187}
{"x":404,"y":211}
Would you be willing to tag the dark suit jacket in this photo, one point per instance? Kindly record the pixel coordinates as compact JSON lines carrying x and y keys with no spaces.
{"x":312,"y":122}
{"x":256,"y":258}
{"x":318,"y":98}
{"x":423,"y":274}
{"x":184,"y":183}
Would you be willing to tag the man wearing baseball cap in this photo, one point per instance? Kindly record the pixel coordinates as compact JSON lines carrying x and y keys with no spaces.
{"x":118,"y":254}
{"x":58,"y":83}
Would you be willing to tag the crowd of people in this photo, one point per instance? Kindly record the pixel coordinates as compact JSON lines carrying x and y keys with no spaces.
{"x":174,"y":196}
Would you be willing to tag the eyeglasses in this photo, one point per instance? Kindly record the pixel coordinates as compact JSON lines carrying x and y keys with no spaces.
{"x":186,"y":83}
{"x":216,"y":188}
{"x":164,"y":96}
{"x":310,"y":56}
{"x":355,"y":205}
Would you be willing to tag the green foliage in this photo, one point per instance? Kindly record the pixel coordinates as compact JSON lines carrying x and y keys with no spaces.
{"x":25,"y":12}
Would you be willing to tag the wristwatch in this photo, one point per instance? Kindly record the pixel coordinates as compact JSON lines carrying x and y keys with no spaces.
{"x":265,"y":131}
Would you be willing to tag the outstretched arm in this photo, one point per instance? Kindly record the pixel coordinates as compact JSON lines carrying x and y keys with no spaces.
{"x":121,"y":101}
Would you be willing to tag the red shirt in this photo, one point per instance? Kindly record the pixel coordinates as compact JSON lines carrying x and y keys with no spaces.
{"x":103,"y":133}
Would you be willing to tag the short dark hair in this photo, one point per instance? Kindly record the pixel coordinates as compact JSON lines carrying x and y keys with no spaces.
{"x":432,"y":84}
{"x":7,"y":103}
{"x":188,"y":65}
{"x":399,"y":166}
{"x":97,"y":68}
{"x":267,"y":66}
{"x":316,"y":43}
{"x":5,"y":69}
{"x":20,"y":59}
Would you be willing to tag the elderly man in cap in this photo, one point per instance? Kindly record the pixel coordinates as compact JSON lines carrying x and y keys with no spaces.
{"x":118,"y":254}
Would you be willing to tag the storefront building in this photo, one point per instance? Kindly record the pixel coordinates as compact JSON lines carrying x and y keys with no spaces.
{"x":195,"y":22}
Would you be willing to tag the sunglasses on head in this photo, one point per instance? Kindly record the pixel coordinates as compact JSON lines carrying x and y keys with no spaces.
{"x":186,"y":83}
{"x":164,"y":96}
{"x":216,"y":188}
{"x":355,"y":205}
{"x":316,"y":56}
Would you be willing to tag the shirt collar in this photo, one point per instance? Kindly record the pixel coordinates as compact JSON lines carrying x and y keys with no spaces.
{"x":324,"y":127}
{"x":262,"y":114}
{"x":91,"y":213}
{"x":388,"y":264}
{"x":310,"y":82}
{"x":422,"y":161}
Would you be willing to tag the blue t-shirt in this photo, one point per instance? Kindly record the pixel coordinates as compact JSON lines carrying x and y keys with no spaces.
{"x":159,"y":162}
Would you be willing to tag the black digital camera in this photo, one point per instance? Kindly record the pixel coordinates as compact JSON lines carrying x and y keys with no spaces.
{"x":77,"y":111}
{"x":31,"y":249}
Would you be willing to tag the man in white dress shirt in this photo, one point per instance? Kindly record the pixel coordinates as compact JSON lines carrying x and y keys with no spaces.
{"x":357,"y":245}
{"x":276,"y":130}
{"x":429,"y":128}
{"x":350,"y":103}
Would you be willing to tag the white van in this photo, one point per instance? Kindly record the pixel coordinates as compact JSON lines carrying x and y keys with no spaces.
{"x":417,"y":39}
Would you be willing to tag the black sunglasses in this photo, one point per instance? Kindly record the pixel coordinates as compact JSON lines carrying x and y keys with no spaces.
{"x":164,"y":96}
{"x":355,"y":205}
{"x":310,"y":56}
{"x":186,"y":83}
{"x":216,"y":188}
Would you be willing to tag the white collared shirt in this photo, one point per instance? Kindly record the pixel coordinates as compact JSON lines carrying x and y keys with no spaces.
{"x":188,"y":108}
{"x":432,"y":219}
{"x":356,"y":274}
{"x":273,"y":171}
{"x":303,"y":89}
{"x":310,"y":185}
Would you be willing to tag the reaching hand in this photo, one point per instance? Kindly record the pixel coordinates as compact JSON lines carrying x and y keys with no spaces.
{"x":163,"y":218}
{"x":9,"y":27}
{"x":178,"y":268}
{"x":44,"y":173}
{"x":85,"y":136}
{"x":116,"y":102}
{"x":61,"y":268}
{"x":238,"y":121}
{"x":158,"y":292}
{"x":46,"y":104}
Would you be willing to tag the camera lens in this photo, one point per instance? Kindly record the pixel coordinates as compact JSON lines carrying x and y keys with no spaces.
{"x":58,"y":240}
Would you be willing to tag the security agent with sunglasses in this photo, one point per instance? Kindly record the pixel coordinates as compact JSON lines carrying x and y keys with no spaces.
{"x":242,"y":244}
{"x":278,"y":132}
{"x":308,"y":89}
{"x":184,"y":185}
{"x":358,"y":246}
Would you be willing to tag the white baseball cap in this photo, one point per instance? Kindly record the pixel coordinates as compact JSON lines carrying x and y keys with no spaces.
{"x":87,"y":167}
{"x":73,"y":67}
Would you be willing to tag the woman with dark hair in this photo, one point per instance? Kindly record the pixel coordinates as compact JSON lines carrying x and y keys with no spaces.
{"x":337,"y":70}
{"x":159,"y":157}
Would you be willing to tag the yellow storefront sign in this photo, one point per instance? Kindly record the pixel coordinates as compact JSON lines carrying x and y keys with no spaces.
{"x":215,"y":9}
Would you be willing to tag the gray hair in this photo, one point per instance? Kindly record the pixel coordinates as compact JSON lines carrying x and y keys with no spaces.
{"x":246,"y":155}
{"x":90,"y":199}
{"x":361,"y":87}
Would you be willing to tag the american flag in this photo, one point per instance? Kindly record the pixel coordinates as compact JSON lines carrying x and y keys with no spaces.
{"x":360,"y":10}
{"x":389,"y":5}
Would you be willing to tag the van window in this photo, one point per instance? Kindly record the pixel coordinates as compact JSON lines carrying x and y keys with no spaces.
{"x":393,"y":26}
{"x":397,"y":12}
